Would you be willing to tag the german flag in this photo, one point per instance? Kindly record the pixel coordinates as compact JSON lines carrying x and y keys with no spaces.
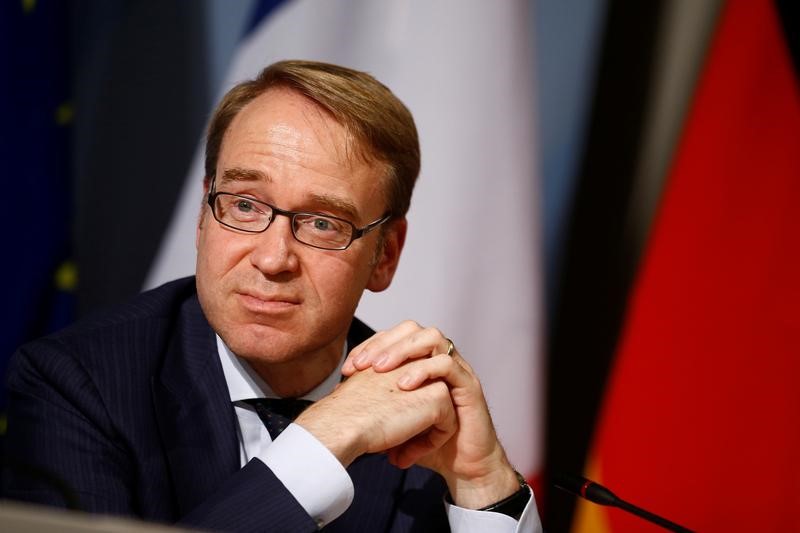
{"x":700,"y":421}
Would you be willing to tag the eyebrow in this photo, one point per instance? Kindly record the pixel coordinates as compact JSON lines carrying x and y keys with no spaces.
{"x":244,"y":174}
{"x":335,"y":203}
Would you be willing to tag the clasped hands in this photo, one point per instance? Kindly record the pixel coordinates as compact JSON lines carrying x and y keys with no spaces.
{"x":406,"y":397}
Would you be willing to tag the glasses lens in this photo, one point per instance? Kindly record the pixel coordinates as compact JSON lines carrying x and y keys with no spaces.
{"x":322,"y":231}
{"x":241,"y":212}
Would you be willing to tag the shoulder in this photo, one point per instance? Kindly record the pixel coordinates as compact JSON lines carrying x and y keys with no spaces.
{"x":159,"y":304}
{"x":127,"y":337}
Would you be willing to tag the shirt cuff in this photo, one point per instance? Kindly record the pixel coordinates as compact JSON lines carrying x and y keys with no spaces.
{"x":311,"y":473}
{"x":464,"y":520}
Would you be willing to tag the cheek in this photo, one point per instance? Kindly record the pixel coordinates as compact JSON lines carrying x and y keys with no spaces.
{"x":217,"y":252}
{"x":339,"y":278}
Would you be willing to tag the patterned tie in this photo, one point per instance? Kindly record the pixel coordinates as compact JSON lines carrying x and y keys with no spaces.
{"x":277,"y":413}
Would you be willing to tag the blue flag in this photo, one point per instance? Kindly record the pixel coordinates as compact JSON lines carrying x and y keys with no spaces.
{"x":37,"y":192}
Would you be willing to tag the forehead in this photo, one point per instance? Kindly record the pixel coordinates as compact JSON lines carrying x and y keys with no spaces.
{"x":285,"y":139}
{"x":287,"y":124}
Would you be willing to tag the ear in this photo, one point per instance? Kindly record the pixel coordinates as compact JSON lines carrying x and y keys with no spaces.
{"x":393,"y":239}
{"x":203,"y":208}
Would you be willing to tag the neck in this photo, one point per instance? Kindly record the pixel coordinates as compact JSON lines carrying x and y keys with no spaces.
{"x":295,"y":378}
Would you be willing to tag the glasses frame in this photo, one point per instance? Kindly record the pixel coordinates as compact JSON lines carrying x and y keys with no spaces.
{"x":357,"y":232}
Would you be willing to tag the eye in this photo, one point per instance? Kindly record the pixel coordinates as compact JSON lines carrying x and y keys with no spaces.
{"x":322,"y":224}
{"x":240,"y":209}
{"x":244,"y":206}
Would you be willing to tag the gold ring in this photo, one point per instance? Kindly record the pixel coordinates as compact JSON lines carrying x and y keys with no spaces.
{"x":450,"y":347}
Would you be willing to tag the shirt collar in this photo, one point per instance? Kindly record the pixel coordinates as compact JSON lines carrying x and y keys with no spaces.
{"x":244,"y":383}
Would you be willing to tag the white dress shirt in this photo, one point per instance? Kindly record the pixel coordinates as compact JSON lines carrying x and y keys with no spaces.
{"x":311,"y":473}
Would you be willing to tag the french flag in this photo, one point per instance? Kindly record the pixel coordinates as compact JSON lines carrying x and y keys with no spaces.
{"x":471,"y":264}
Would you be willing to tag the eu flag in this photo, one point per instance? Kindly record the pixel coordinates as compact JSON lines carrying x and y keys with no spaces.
{"x":36,"y":193}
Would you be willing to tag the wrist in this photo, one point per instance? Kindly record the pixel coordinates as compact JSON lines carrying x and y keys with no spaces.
{"x":515,"y":504}
{"x":478,"y":493}
{"x":342,"y":442}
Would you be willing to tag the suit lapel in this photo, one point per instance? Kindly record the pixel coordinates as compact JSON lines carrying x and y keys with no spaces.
{"x":195,"y":417}
{"x":358,"y":333}
{"x":198,"y":428}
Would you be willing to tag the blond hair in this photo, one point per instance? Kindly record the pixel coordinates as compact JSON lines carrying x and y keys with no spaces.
{"x":381,"y":126}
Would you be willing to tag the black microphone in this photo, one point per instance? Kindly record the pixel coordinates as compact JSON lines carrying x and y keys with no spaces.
{"x":589,"y":490}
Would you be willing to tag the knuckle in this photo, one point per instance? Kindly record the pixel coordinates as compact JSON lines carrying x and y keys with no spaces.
{"x":440,"y":391}
{"x":435,"y":333}
{"x":418,"y":337}
{"x":410,"y":325}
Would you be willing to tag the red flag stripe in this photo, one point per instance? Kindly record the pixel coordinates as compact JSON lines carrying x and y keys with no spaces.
{"x":702,"y":419}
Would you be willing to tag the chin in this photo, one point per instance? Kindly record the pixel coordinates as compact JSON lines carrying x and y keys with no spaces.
{"x":262,"y":343}
{"x":278,"y":340}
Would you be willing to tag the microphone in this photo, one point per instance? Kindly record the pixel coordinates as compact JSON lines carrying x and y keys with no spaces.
{"x":594,"y":492}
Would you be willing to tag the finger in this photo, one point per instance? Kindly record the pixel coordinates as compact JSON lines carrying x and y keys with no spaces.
{"x":411,"y":452}
{"x":421,"y":445}
{"x":368,"y":352}
{"x":453,"y":370}
{"x":421,"y":343}
{"x":348,"y":368}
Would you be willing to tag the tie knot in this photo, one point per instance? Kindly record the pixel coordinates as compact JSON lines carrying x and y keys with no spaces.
{"x":289,"y":408}
{"x":278,"y":413}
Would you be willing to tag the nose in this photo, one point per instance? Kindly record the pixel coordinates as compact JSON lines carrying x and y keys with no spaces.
{"x":274,"y":250}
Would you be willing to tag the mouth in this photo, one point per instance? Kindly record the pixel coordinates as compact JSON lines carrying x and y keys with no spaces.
{"x":267,"y":303}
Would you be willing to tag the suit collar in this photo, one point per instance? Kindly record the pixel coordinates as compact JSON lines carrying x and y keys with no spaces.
{"x":358,"y":333}
{"x":193,"y":407}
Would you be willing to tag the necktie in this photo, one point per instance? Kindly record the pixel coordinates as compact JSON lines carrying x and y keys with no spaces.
{"x":277,"y":413}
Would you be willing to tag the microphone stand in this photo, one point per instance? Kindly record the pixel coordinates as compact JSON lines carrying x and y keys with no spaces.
{"x":594,"y":492}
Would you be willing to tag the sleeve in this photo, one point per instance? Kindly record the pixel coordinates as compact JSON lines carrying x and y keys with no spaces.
{"x":254,"y":500}
{"x":316,"y":479}
{"x":59,"y":449}
{"x":470,"y":521}
{"x":58,"y":425}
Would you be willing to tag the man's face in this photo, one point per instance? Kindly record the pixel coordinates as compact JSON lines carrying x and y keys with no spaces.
{"x":271,"y":298}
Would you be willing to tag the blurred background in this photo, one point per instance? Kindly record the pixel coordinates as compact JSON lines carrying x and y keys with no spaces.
{"x":606,"y":221}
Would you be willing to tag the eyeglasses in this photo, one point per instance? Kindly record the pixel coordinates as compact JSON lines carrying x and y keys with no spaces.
{"x":313,"y":229}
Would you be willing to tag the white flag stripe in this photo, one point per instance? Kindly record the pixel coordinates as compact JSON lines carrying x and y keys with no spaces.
{"x":471,"y":265}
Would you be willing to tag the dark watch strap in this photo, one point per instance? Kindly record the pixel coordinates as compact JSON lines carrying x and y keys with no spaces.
{"x":514,"y":504}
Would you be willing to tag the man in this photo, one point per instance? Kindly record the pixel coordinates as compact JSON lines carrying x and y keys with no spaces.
{"x":154,"y":410}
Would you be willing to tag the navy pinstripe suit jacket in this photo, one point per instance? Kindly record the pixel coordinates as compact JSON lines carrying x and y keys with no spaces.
{"x":132,"y":411}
